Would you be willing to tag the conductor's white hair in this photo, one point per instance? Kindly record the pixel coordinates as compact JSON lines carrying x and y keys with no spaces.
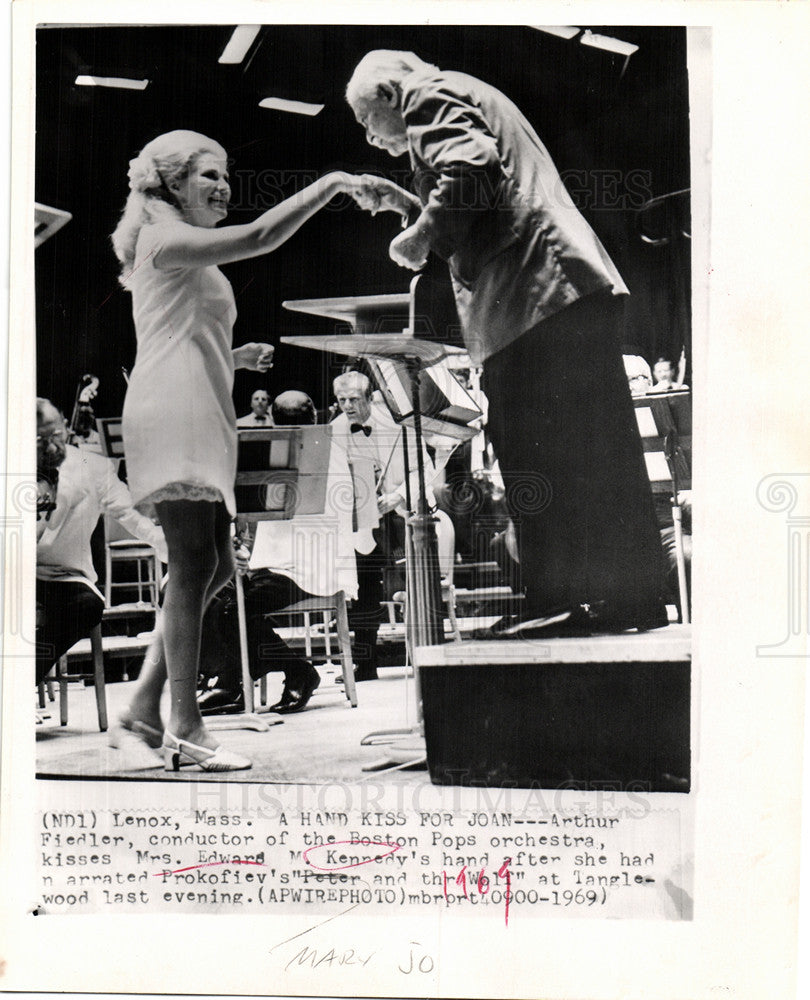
{"x":382,"y":66}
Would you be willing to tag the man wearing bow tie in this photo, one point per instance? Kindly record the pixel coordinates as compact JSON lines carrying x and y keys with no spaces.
{"x":373,"y":446}
{"x":258,"y":416}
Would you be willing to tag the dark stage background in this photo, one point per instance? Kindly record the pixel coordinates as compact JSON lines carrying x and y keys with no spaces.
{"x":618,"y":138}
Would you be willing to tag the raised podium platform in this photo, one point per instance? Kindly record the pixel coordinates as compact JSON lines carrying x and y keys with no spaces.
{"x":608,"y":712}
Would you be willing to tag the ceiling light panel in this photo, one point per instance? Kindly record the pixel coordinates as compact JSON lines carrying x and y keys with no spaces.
{"x":118,"y":82}
{"x":295,"y":107}
{"x":608,"y":44}
{"x":560,"y":30}
{"x":244,"y":35}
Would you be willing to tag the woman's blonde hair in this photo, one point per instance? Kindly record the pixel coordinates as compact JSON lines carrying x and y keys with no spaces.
{"x":161,"y":162}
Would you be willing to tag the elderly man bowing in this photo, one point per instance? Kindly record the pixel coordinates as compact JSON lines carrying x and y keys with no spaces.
{"x":540,"y":306}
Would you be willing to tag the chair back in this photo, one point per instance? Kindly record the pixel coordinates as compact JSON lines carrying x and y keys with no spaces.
{"x":114,"y":531}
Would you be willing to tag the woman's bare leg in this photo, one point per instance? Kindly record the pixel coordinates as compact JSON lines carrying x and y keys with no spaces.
{"x":145,"y":704}
{"x":224,"y":549}
{"x":200,"y":563}
{"x":190,"y":537}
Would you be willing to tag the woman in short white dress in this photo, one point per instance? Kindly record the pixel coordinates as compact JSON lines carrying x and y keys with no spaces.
{"x":179,"y":421}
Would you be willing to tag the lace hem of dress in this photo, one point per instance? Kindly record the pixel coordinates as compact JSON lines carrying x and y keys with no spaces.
{"x":182,"y":491}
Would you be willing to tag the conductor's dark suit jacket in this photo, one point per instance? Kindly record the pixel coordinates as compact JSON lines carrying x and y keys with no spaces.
{"x":517,"y":247}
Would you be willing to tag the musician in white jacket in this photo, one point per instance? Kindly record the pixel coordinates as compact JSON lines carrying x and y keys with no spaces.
{"x":373,"y":445}
{"x":69,"y":604}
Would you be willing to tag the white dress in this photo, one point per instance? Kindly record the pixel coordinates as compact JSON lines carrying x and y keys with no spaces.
{"x":179,"y":424}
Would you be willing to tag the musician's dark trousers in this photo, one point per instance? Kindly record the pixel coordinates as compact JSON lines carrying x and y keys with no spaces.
{"x":367,"y":612}
{"x":564,"y":431}
{"x":265,"y":592}
{"x":66,"y":612}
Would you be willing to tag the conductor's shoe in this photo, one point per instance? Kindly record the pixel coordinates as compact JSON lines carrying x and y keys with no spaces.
{"x":608,"y":617}
{"x":565,"y":621}
{"x":494,"y":631}
{"x":599,"y":618}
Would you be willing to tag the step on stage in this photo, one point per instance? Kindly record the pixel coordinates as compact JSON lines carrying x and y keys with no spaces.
{"x":609,"y":712}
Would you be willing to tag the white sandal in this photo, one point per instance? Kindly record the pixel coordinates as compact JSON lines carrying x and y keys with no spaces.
{"x":177,"y":752}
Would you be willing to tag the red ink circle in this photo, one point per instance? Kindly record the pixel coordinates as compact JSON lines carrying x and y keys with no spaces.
{"x":378,"y":856}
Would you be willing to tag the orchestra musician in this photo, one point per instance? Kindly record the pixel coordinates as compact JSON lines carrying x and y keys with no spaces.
{"x":259,"y":415}
{"x":78,"y":486}
{"x":372,"y":443}
{"x":308,"y":555}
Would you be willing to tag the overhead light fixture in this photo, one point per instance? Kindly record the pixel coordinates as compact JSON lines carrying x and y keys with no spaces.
{"x":566,"y":31}
{"x":111,"y":81}
{"x":295,"y":107}
{"x":48,"y":221}
{"x":608,"y":44}
{"x":244,"y":35}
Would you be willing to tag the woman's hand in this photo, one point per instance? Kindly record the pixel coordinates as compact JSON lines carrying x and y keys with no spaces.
{"x":254,"y":357}
{"x":410,"y":248}
{"x":376,"y":194}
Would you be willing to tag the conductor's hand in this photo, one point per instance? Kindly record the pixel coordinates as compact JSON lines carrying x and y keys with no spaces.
{"x":377,"y":194}
{"x":410,"y":248}
{"x":254,"y":357}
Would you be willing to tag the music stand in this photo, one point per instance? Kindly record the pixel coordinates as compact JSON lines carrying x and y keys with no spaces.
{"x":111,"y":436}
{"x":423,"y":577}
{"x":280,"y":473}
{"x":665,"y":425}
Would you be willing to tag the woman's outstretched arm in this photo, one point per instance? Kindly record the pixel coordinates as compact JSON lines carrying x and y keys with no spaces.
{"x":184,"y":245}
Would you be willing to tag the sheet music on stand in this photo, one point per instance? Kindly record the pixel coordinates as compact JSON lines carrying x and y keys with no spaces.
{"x":281,"y":471}
{"x":446,"y":406}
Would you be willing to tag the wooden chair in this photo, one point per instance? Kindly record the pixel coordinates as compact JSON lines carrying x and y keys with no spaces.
{"x":329,"y":606}
{"x":281,"y":474}
{"x":96,"y":674}
{"x":119,"y":545}
{"x":122,"y":547}
{"x":96,"y":648}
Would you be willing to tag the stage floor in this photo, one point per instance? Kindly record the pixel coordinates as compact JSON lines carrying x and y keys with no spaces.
{"x":322,"y":744}
{"x":319,"y":745}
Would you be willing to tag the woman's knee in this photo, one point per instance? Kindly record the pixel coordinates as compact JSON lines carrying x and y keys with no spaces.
{"x":223,"y":573}
{"x":193,"y":572}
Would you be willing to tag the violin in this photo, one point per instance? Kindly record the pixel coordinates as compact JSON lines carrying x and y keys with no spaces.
{"x":47,"y":485}
{"x":83,"y":419}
